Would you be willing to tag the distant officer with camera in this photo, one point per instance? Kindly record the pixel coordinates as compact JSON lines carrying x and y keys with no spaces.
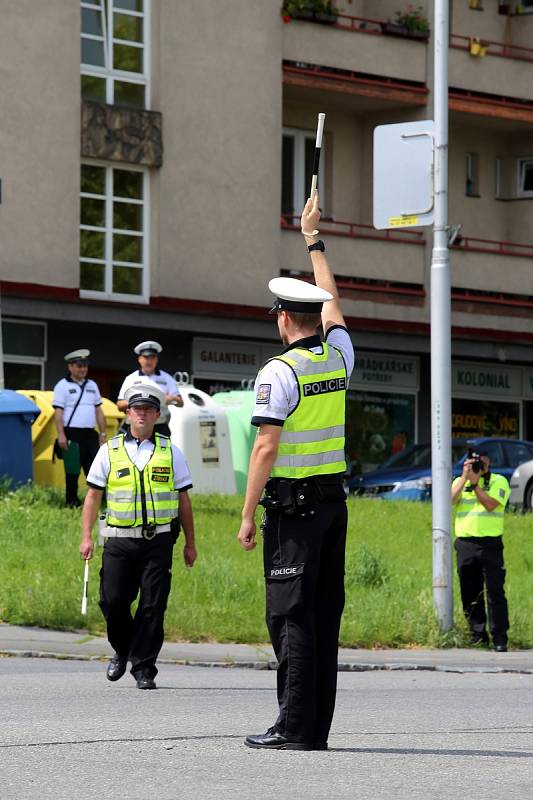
{"x":480,"y":497}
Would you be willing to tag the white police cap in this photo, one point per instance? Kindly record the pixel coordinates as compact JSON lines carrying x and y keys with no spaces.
{"x":294,"y":295}
{"x":148,"y":349}
{"x":144,"y":394}
{"x":77,"y":355}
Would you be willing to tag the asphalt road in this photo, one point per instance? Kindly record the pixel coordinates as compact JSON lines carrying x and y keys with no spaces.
{"x":68,"y":733}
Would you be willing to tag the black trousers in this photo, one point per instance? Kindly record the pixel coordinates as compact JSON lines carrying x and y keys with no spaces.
{"x":130,"y":566}
{"x":481,"y":572}
{"x":88,"y":442}
{"x":304,"y":573}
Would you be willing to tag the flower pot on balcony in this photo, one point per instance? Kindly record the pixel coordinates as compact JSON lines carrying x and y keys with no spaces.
{"x":504,"y":8}
{"x":305,"y":15}
{"x":422,"y":36}
{"x":477,"y":48}
{"x":324,"y":18}
{"x":394,"y":29}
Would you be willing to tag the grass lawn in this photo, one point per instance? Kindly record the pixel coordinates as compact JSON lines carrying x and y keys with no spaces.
{"x":388,"y":574}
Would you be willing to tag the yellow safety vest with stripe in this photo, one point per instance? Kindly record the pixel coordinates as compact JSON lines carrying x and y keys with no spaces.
{"x":312,"y":439}
{"x":141,"y":497}
{"x":473,"y":519}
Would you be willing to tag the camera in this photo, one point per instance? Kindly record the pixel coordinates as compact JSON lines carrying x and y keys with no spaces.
{"x":477,"y":464}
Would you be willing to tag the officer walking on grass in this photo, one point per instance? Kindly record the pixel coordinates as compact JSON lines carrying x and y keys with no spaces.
{"x":298,"y":459}
{"x":147,"y":481}
{"x":148,"y":358}
{"x":480,"y":497}
{"x":78,"y":408}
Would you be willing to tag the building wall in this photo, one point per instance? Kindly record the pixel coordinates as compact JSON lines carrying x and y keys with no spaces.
{"x":40,"y":141}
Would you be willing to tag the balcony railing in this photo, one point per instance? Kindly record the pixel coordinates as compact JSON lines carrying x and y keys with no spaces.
{"x":491,"y":246}
{"x":500,"y":49}
{"x":356,"y":230}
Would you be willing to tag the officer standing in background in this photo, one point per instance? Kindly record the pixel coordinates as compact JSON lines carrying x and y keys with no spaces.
{"x":147,"y":479}
{"x":480,"y":497}
{"x":148,"y":358}
{"x":298,"y":458}
{"x":78,"y":408}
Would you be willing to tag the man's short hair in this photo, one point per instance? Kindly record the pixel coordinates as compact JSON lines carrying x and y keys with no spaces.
{"x":303,"y":319}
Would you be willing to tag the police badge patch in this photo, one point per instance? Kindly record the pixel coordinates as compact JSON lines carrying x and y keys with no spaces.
{"x":263,"y":393}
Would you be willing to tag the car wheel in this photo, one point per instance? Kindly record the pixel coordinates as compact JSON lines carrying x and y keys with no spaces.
{"x":528,"y":497}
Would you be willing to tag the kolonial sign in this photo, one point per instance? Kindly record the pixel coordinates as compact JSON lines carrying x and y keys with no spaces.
{"x":486,"y":379}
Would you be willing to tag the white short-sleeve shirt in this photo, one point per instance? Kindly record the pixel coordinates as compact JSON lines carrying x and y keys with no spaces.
{"x":66,"y":394}
{"x":139,"y":454}
{"x":163,"y":380}
{"x":276,"y":388}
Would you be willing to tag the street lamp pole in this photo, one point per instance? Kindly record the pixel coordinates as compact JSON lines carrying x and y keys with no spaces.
{"x":441,"y":334}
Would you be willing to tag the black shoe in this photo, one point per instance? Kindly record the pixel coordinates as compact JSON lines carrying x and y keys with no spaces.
{"x":479,"y":639}
{"x":116,"y":668}
{"x":145,"y":681}
{"x":272,"y":740}
{"x":500,"y":648}
{"x":320,"y":746}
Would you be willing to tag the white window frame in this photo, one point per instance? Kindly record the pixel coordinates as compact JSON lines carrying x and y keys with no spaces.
{"x":109,"y":230}
{"x":36,"y":361}
{"x":301,"y":193}
{"x":107,"y":72}
{"x":520,"y":164}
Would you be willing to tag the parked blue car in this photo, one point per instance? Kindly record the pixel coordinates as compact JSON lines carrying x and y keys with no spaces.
{"x":407,"y":475}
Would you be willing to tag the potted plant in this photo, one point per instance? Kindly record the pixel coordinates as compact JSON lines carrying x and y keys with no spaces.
{"x":322,"y":11}
{"x":414,"y":20}
{"x":477,"y":47}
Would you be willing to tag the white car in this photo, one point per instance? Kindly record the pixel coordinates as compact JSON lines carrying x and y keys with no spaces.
{"x":522,"y":486}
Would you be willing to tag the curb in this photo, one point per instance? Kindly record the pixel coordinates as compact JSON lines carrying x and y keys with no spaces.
{"x":343,"y":666}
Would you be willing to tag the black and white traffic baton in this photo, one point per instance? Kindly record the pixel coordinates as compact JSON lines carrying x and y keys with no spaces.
{"x":85,"y":587}
{"x":318,"y":147}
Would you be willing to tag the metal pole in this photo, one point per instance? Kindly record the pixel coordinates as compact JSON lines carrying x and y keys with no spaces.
{"x":441,"y":335}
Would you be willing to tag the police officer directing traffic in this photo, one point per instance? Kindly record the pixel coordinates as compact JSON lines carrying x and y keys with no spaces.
{"x":480,"y":497}
{"x":78,"y":408}
{"x":149,"y":372}
{"x":298,"y":459}
{"x":147,"y":480}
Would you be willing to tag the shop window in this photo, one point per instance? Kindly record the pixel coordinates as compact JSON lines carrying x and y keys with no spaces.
{"x":525,"y":177}
{"x":378,"y":425}
{"x":472,"y":175}
{"x":298,"y":150}
{"x":24,"y":345}
{"x":473,"y":418}
{"x":114,"y":57}
{"x":113,"y":233}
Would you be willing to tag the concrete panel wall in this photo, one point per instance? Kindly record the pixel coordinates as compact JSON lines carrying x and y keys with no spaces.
{"x":362,"y":258}
{"x":491,"y":74}
{"x":40,"y":141}
{"x":484,"y":272}
{"x":218,"y":190}
{"x":377,"y":55}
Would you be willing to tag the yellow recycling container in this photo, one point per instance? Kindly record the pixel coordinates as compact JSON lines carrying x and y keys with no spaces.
{"x":47,"y":470}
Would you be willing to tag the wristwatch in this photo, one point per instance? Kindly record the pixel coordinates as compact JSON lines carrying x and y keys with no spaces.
{"x":317,"y":246}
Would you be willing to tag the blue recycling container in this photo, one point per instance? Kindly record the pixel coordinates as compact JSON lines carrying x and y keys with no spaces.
{"x":17,"y":414}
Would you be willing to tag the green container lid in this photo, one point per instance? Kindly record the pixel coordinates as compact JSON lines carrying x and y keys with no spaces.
{"x":238,"y":406}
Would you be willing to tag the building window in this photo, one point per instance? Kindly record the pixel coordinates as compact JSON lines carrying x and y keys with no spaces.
{"x":472,"y":175}
{"x":525,"y":177}
{"x":114,"y":52}
{"x":114,"y":233}
{"x":24,"y":344}
{"x":298,"y":150}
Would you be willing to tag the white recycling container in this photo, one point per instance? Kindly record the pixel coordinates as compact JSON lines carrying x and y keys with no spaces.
{"x":200,"y":429}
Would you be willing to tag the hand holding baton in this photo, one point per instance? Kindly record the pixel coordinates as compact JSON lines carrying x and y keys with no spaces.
{"x":85,"y":587}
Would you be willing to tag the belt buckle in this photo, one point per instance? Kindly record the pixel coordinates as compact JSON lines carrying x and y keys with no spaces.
{"x":149,"y":532}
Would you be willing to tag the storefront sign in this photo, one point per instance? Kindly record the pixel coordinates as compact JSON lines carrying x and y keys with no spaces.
{"x":528,"y":382}
{"x":219,"y":357}
{"x":472,"y":418}
{"x":384,"y":371}
{"x":486,"y":379}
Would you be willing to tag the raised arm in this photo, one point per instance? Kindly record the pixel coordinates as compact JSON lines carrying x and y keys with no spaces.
{"x":331,"y":312}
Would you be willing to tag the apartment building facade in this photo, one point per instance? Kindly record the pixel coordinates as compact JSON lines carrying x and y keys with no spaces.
{"x":151,"y":188}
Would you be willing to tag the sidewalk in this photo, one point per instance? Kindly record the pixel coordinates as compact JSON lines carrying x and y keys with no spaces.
{"x":42,"y":643}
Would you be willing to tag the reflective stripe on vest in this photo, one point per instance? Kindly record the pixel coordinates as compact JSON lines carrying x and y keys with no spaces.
{"x":141,"y":497}
{"x":312,"y":439}
{"x":473,"y":519}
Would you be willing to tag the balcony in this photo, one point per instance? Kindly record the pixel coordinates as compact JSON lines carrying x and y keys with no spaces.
{"x":355,"y":43}
{"x":501,"y":69}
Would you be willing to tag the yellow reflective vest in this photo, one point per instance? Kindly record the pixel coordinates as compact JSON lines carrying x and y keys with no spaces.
{"x":472,"y":518}
{"x":141,"y":497}
{"x":312,"y":439}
